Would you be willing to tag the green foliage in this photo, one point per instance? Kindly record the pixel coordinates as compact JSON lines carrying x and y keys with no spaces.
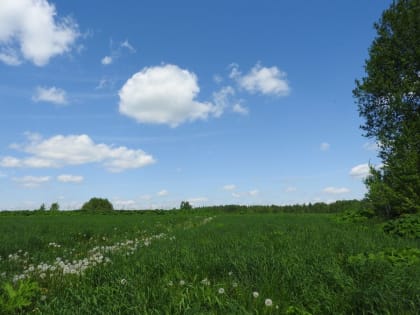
{"x":98,"y":204}
{"x":352,"y":216}
{"x":42,"y":207}
{"x":405,"y":226}
{"x":16,"y":298}
{"x":294,"y":310}
{"x":396,"y":257}
{"x":185,"y":205}
{"x":389,"y":101}
{"x":54,"y":206}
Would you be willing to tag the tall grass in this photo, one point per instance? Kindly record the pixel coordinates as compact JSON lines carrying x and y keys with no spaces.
{"x":301,"y":263}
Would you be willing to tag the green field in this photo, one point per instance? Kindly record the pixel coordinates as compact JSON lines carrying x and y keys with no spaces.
{"x":180,"y":263}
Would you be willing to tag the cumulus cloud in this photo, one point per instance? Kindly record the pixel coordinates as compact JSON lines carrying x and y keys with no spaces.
{"x":51,"y":95}
{"x":66,"y":178}
{"x":59,"y":151}
{"x":30,"y":30}
{"x":222,"y":99}
{"x":163,"y":95}
{"x":229,"y":187}
{"x":336,"y":190}
{"x":107,"y":60}
{"x":324,"y":146}
{"x":362,"y":170}
{"x":267,"y":81}
{"x":238,"y":108}
{"x":31,"y":181}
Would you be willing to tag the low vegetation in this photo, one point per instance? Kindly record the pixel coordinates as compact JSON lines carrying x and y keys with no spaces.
{"x":204,"y":261}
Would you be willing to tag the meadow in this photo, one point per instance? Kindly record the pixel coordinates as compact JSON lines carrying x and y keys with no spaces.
{"x":204,"y":263}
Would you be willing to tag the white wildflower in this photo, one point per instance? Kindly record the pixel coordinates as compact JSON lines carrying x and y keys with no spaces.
{"x":123,"y":281}
{"x":255,"y":294}
{"x":182,"y":282}
{"x":268,"y":302}
{"x":221,"y":291}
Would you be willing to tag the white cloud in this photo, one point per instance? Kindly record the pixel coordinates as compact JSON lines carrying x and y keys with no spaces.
{"x":229,"y":187}
{"x":59,"y":151}
{"x":217,"y":79}
{"x":31,"y":181}
{"x":162,"y":193}
{"x":66,"y":178}
{"x":236,"y":195}
{"x":163,"y":95}
{"x":360,"y":171}
{"x":145,"y":197}
{"x":336,"y":191}
{"x":238,"y":108}
{"x":268,"y":81}
{"x":198,"y":201}
{"x":10,"y":58}
{"x":125,"y":204}
{"x":254,"y":192}
{"x":290,"y":189}
{"x":50,"y":95}
{"x":107,"y":60}
{"x":222,"y":99}
{"x":127,"y":45}
{"x":324,"y":146}
{"x":30,"y":29}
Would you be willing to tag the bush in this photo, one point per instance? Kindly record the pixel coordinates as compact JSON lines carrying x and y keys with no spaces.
{"x":97,"y":204}
{"x":405,"y":226}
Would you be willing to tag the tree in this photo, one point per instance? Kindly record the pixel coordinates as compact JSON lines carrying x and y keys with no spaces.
{"x":185,"y":205}
{"x":42,"y":207}
{"x":388,"y":99}
{"x":54,"y":206}
{"x":95,"y":204}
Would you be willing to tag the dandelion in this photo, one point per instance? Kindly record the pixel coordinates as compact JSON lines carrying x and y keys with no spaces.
{"x":123,"y":281}
{"x":221,"y":291}
{"x":268,"y":302}
{"x":182,"y":282}
{"x":234,"y":284}
{"x":43,"y":297}
{"x":170,"y":283}
{"x":205,"y":281}
{"x":42,"y":275}
{"x":230,"y":273}
{"x":255,"y":294}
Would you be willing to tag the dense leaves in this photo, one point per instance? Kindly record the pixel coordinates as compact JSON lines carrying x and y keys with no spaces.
{"x":389,"y":101}
{"x":97,"y":204}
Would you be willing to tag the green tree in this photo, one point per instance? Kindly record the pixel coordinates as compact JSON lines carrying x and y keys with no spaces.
{"x":388,"y":99}
{"x":42,"y":207}
{"x":95,"y":204}
{"x":185,"y":205}
{"x":54,"y":206}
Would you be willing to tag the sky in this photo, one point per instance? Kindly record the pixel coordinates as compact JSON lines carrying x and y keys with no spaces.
{"x":149,"y":103}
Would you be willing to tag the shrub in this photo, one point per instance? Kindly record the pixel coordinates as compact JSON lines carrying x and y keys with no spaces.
{"x":97,"y":204}
{"x":405,"y":226}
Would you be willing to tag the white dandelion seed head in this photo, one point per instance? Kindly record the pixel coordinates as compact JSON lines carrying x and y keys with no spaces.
{"x":123,"y":281}
{"x":221,"y":291}
{"x":182,"y":282}
{"x":268,"y":302}
{"x":255,"y":294}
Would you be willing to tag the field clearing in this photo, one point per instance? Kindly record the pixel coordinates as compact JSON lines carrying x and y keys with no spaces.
{"x":177,"y":263}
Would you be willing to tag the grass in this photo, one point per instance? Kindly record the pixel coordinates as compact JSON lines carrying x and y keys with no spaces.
{"x":301,"y":262}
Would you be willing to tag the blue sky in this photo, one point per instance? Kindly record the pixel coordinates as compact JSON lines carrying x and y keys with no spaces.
{"x":151,"y":103}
